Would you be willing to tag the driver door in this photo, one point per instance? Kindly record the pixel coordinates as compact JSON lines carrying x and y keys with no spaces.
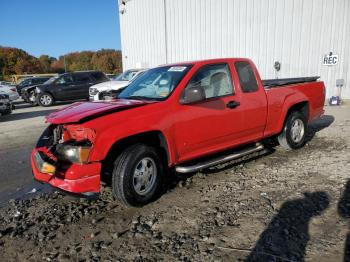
{"x":64,"y":89}
{"x":210,"y":125}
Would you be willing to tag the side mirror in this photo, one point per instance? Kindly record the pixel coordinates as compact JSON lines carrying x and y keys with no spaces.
{"x":192,"y":95}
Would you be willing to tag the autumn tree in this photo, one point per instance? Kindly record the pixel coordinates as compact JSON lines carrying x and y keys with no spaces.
{"x":46,"y":63}
{"x":17,"y":61}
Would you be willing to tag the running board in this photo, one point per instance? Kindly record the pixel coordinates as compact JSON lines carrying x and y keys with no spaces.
{"x":219,"y":160}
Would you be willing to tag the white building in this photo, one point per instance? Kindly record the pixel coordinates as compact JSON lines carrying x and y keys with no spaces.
{"x":300,"y":34}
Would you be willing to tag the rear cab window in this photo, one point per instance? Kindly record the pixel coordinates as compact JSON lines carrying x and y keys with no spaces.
{"x":246,"y":77}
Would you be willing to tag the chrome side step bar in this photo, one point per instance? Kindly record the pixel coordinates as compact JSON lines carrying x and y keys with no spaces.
{"x":219,"y":160}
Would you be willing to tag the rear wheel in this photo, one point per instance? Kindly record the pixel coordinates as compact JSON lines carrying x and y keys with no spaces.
{"x":45,"y":99}
{"x":294,"y":131}
{"x":137,"y":175}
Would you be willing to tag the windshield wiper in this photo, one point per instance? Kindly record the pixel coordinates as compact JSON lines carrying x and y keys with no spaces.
{"x":142,"y":98}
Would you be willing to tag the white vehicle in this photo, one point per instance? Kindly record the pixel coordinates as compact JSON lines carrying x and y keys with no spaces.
{"x":10,"y":90}
{"x":97,"y":92}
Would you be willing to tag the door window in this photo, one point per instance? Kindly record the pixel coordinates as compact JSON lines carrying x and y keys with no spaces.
{"x":214,"y":79}
{"x":99,"y":76}
{"x":66,"y":79}
{"x":81,"y":78}
{"x":246,"y":77}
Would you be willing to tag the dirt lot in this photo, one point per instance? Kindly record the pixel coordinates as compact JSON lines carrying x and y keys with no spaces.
{"x":281,"y":206}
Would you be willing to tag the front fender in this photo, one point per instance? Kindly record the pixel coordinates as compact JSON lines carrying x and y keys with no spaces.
{"x":104,"y":143}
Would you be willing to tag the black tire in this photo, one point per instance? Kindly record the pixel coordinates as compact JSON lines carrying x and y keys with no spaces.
{"x":297,"y":139}
{"x":45,"y":99}
{"x":7,"y":111}
{"x":125,"y":168}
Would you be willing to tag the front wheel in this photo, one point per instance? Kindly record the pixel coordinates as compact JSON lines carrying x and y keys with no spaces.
{"x":45,"y":99}
{"x":137,"y":175}
{"x":294,"y":131}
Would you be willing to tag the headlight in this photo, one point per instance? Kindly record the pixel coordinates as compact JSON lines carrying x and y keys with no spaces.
{"x":73,"y":153}
{"x":44,"y":167}
{"x":93,"y":91}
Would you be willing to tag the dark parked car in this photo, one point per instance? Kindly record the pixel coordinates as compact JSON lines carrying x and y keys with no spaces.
{"x":5,"y":104}
{"x":31,"y":82}
{"x":68,"y":86}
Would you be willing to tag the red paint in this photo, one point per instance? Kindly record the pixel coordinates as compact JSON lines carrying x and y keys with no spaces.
{"x":190,"y":131}
{"x":76,"y":179}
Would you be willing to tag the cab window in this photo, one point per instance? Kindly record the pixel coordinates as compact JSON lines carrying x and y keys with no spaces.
{"x":214,"y":79}
{"x":66,"y":79}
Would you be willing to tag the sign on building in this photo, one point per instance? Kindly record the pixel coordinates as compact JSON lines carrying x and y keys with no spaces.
{"x":330,"y":59}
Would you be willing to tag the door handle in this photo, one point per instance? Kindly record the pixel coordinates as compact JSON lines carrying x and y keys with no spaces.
{"x":232,"y":104}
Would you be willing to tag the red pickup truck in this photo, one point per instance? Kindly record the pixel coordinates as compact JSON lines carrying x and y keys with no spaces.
{"x":185,"y":116}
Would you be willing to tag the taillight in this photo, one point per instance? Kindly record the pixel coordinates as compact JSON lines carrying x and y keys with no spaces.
{"x":13,"y":89}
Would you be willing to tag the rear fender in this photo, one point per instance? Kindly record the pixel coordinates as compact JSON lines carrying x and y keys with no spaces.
{"x":290,"y":101}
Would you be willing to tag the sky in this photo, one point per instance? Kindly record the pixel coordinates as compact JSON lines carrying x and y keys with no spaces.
{"x":57,"y":27}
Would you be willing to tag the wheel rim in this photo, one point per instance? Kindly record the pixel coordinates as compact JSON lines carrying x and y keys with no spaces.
{"x":45,"y":99}
{"x":145,"y":175}
{"x":297,"y":130}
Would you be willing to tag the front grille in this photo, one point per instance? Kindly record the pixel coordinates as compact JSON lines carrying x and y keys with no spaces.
{"x":93,"y":91}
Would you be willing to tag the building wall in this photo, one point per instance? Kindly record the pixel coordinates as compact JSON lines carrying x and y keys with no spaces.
{"x":297,"y":33}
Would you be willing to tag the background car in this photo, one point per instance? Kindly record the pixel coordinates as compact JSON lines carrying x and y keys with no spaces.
{"x":10,"y":90}
{"x":107,"y":89}
{"x":6,"y":83}
{"x":31,"y":81}
{"x":5,"y":104}
{"x":68,"y":86}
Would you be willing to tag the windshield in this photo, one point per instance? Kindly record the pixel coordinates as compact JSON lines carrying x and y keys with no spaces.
{"x":24,"y":82}
{"x":126,"y":76}
{"x":51,"y":80}
{"x":155,"y":84}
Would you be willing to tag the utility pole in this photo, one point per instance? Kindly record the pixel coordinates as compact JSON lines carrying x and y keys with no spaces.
{"x":65,"y":65}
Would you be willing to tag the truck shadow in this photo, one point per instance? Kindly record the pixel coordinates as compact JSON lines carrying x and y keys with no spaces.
{"x":344,"y":212}
{"x":287,"y":235}
{"x":318,"y":124}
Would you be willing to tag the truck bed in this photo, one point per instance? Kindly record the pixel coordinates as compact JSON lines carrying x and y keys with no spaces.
{"x":273,"y":83}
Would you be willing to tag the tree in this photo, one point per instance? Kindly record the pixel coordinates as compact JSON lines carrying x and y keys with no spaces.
{"x":17,"y":61}
{"x":46,"y":63}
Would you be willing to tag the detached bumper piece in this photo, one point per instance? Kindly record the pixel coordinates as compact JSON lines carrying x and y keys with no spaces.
{"x":76,"y":178}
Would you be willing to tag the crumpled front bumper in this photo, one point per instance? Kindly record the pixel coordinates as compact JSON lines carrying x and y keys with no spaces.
{"x":76,"y":178}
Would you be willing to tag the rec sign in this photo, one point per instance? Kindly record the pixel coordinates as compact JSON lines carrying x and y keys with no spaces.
{"x":330,"y":59}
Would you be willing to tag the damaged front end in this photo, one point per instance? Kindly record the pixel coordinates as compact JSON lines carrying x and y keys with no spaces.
{"x":61,"y":159}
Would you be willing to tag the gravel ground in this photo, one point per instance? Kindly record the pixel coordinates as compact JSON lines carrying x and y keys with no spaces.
{"x":279,"y":206}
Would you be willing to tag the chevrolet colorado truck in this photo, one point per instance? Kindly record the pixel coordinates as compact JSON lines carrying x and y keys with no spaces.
{"x":183,"y":117}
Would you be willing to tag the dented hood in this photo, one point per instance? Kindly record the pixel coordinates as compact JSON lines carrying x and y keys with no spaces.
{"x":83,"y":111}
